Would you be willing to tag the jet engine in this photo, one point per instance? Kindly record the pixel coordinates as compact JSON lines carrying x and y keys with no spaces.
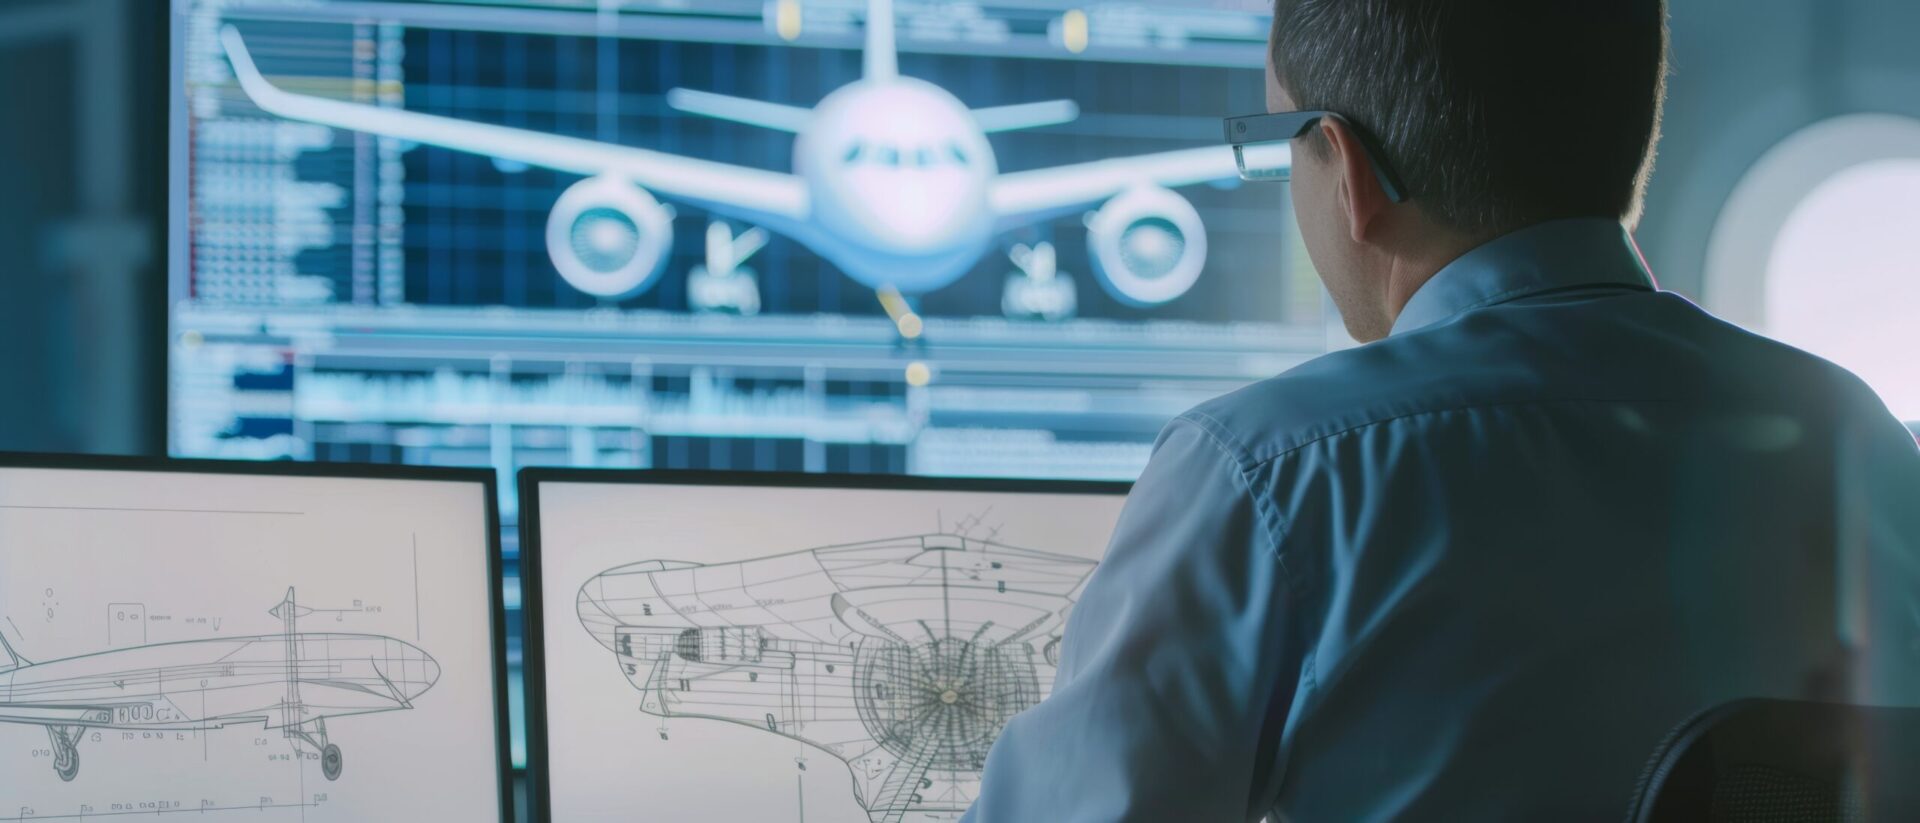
{"x":608,"y":237}
{"x":1148,"y":246}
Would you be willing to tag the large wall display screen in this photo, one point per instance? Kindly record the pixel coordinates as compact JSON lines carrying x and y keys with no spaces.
{"x":981,"y":239}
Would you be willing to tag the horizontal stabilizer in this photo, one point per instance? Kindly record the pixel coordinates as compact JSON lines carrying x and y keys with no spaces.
{"x":1026,"y":115}
{"x":760,"y":113}
{"x":289,"y":610}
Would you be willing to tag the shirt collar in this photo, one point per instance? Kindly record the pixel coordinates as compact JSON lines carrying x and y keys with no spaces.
{"x":1559,"y":254}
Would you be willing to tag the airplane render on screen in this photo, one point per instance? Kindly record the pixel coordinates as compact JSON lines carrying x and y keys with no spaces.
{"x":291,"y":681}
{"x":893,"y":182}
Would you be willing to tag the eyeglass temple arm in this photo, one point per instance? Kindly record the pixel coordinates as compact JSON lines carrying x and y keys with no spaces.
{"x":1389,"y":182}
{"x":1259,"y":129}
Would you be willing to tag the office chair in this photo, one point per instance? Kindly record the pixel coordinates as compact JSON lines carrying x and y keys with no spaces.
{"x":1782,"y":761}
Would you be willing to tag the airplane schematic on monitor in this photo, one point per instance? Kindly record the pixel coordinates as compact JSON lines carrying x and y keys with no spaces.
{"x":902,"y":657}
{"x":893,"y":182}
{"x":292,"y":681}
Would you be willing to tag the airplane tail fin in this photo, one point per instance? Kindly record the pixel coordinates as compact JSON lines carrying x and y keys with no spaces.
{"x":289,"y":611}
{"x":14,"y":660}
{"x":882,"y":55}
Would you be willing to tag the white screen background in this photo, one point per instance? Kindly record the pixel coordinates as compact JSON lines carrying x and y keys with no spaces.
{"x":607,"y":759}
{"x":94,"y":561}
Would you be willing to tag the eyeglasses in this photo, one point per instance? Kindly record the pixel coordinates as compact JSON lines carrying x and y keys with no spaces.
{"x":1263,"y":147}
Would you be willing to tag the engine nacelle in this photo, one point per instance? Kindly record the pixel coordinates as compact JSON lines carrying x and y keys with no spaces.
{"x":1148,"y":246}
{"x":608,"y":237}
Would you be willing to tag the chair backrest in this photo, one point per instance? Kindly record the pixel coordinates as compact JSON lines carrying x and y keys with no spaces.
{"x":1762,"y":761}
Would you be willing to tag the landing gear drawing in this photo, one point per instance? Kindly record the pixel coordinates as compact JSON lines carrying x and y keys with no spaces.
{"x":331,"y":761}
{"x":904,"y":658}
{"x":66,"y":751}
{"x":725,"y":285}
{"x":291,"y":681}
{"x":1038,"y":291}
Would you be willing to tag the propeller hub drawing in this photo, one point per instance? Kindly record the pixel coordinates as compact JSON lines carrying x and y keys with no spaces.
{"x":943,"y":702}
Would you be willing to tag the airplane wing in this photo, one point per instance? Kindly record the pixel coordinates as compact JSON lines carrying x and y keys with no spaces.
{"x":776,"y":116}
{"x":747,"y":193}
{"x":1028,"y":196}
{"x":1026,"y":115}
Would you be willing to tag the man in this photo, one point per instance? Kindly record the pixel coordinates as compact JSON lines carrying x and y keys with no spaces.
{"x":1476,"y":568}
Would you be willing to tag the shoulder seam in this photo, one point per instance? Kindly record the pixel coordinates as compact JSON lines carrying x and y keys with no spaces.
{"x":1265,"y":510}
{"x":1222,"y":438}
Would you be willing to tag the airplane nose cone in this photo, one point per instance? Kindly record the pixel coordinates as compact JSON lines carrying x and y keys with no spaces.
{"x":591,"y":605}
{"x":427,"y":669}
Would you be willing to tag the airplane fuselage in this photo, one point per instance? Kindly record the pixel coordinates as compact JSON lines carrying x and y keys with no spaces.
{"x":898,"y":172}
{"x":278,"y":680}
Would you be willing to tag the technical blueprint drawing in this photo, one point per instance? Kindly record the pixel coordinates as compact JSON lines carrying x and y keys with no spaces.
{"x":245,"y":647}
{"x":902,"y":657}
{"x":292,"y":682}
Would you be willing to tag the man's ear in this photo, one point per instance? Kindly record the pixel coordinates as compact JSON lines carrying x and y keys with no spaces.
{"x":1360,"y":194}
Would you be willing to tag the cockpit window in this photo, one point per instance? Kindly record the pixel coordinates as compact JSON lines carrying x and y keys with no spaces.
{"x":925,"y":157}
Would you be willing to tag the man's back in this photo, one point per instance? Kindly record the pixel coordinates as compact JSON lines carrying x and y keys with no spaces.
{"x":1561,"y":526}
{"x":1493,"y":558}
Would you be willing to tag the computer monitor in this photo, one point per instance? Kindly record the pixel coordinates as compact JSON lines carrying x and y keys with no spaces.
{"x":985,"y":239}
{"x":249,"y":641}
{"x":789,"y":647}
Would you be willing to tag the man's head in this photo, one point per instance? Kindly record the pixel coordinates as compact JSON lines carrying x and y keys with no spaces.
{"x":1497,"y":114}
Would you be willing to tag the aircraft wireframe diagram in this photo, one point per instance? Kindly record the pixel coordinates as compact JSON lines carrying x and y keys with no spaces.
{"x":903,"y":657}
{"x":894,"y":182}
{"x":292,"y":681}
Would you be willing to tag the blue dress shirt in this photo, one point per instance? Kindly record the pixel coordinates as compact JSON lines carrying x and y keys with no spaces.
{"x":1476,"y":570}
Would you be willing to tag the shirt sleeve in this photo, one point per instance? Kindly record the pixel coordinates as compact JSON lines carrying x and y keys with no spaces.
{"x":1168,"y":673}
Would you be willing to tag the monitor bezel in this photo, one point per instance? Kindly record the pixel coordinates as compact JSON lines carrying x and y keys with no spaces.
{"x":486,"y":479}
{"x":533,"y":662}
